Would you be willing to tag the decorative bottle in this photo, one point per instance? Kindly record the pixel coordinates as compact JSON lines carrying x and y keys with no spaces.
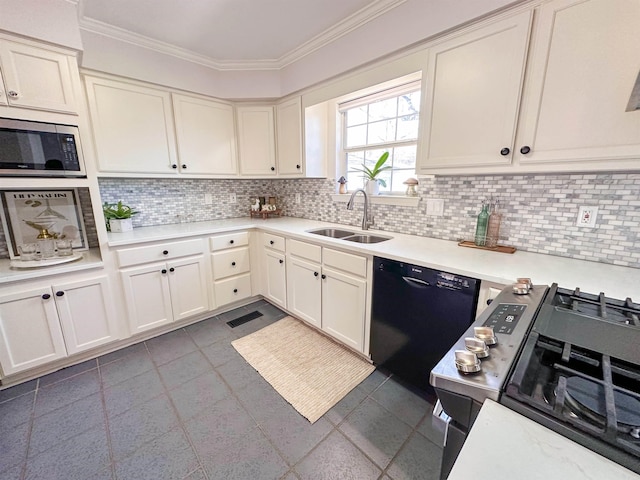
{"x":481,"y":225}
{"x":493,"y":227}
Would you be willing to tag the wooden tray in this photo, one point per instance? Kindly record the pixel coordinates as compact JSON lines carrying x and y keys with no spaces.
{"x":266,"y":213}
{"x":499,"y":248}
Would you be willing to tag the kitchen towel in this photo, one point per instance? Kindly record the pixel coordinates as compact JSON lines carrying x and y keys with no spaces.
{"x":309,"y":370}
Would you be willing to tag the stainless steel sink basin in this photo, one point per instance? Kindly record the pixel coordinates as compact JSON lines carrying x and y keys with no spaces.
{"x":365,"y":238}
{"x":332,"y":232}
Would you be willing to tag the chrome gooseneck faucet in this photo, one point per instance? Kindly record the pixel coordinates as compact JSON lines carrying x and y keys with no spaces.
{"x":367,"y":220}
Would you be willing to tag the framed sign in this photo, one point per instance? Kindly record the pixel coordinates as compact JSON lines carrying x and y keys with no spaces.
{"x":27,"y":213}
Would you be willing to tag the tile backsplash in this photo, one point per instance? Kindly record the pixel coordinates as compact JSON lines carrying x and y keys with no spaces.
{"x":540,"y":211}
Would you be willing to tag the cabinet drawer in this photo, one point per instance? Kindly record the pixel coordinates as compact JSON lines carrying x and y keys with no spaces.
{"x":231,"y":240}
{"x":159,"y":251}
{"x":233,"y":289}
{"x":305,"y":250}
{"x":230,"y":262}
{"x":273,"y":241}
{"x":345,"y":262}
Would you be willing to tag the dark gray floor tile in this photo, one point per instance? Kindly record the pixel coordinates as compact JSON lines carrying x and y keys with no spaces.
{"x":13,"y":446}
{"x":249,"y":456}
{"x":134,"y":364}
{"x":209,"y":331}
{"x":125,"y":395}
{"x":67,"y":391}
{"x":221,"y":352}
{"x":184,"y":369}
{"x":11,"y":474}
{"x":253,"y":326}
{"x":197,"y":475}
{"x":419,"y":459}
{"x":67,"y":372}
{"x":80,"y":458}
{"x":293,"y":435}
{"x":404,"y":404}
{"x":375,"y":432}
{"x":233,"y":314}
{"x":170,"y":346}
{"x":169,"y":457}
{"x":262,"y":401}
{"x":238,"y":373}
{"x":271,"y":312}
{"x":225,"y":419}
{"x":198,"y":394}
{"x":17,"y":410}
{"x":291,"y":476}
{"x":136,"y":348}
{"x":373,"y":381}
{"x":66,"y":422}
{"x":345,"y":406}
{"x":139,"y":425}
{"x":17,"y":390}
{"x":336,"y":459}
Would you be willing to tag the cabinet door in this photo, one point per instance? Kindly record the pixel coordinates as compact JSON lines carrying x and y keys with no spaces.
{"x":148,"y":298}
{"x":132,"y":127}
{"x":289,"y":137}
{"x":86,"y":313}
{"x":580,"y":79}
{"x":343,"y":307}
{"x":3,"y":91}
{"x":304,"y":290}
{"x":473,"y":86}
{"x":276,"y":278}
{"x":37,"y":78}
{"x":256,"y":141}
{"x":206,"y":136}
{"x":30,"y":333}
{"x":188,"y":285}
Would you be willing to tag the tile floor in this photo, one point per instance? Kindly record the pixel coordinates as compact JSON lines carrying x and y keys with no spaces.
{"x":185,"y":405}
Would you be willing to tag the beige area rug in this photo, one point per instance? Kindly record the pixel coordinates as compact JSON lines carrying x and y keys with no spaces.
{"x":310,"y":371}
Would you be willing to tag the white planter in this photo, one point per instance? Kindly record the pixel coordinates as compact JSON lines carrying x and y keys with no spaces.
{"x":372,"y":187}
{"x":121,"y":225}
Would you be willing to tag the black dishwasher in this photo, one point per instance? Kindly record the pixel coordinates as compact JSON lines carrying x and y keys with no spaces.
{"x":417,"y":314}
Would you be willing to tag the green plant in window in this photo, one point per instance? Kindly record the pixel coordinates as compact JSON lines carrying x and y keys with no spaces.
{"x":378,"y":168}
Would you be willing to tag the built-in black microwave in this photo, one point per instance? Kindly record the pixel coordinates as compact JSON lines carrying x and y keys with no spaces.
{"x":39,"y":149}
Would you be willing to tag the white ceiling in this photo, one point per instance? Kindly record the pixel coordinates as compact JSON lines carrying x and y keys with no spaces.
{"x":231,"y":33}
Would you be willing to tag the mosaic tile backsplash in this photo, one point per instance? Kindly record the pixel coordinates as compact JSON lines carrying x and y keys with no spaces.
{"x":540,"y":211}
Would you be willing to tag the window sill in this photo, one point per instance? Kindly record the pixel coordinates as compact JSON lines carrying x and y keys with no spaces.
{"x":400,"y":200}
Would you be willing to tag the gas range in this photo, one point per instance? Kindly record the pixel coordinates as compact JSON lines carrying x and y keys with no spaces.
{"x":566,"y":359}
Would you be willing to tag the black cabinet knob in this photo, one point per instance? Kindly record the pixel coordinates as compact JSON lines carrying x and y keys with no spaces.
{"x":281,"y":261}
{"x":174,"y":166}
{"x":273,"y":169}
{"x":323,"y":276}
{"x":165,"y":252}
{"x":184,"y":166}
{"x":233,"y":264}
{"x":505,"y":151}
{"x":524,"y":150}
{"x":59,"y":294}
{"x":231,"y":242}
{"x":489,"y":301}
{"x":172,"y":269}
{"x":271,"y":242}
{"x":315,"y":274}
{"x":46,"y":296}
{"x":235,"y":290}
{"x":298,"y":167}
{"x":164,"y":271}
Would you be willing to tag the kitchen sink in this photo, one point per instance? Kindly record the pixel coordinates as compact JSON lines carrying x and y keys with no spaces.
{"x":349,"y":235}
{"x":332,"y":232}
{"x":365,"y":238}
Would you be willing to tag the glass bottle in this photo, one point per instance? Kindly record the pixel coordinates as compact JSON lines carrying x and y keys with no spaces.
{"x":46,"y":243}
{"x":493,"y":227}
{"x":481,"y":225}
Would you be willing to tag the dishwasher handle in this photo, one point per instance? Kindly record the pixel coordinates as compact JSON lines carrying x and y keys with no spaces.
{"x":416,"y":282}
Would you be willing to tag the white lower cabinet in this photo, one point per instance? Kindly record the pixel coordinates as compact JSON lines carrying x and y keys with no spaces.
{"x":231,"y":264}
{"x":40,"y":325}
{"x":305,"y":290}
{"x":274,"y":268}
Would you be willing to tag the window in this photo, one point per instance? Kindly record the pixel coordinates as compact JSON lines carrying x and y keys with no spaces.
{"x":383,"y":122}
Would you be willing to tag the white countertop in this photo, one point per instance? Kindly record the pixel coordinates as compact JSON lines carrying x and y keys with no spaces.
{"x":591,"y":277}
{"x":505,"y":445}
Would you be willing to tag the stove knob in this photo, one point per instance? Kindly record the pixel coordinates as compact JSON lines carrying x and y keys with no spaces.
{"x":486,"y":335}
{"x":477,"y":346}
{"x":521,"y":289}
{"x":526,"y":281}
{"x":467,"y":362}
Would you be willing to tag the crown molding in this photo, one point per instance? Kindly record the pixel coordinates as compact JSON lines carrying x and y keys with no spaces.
{"x":349,"y":24}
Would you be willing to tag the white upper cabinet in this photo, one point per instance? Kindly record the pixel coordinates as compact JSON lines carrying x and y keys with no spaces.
{"x":256,"y":140}
{"x":36,"y":78}
{"x":132,"y":127}
{"x":585,"y":61}
{"x":289,"y":137}
{"x":472,"y":87}
{"x":206,"y":136}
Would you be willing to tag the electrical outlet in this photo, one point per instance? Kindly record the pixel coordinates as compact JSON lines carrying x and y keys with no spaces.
{"x":233,"y":198}
{"x":587,"y":216}
{"x":208,"y":199}
{"x":435,"y":207}
{"x":297,"y":198}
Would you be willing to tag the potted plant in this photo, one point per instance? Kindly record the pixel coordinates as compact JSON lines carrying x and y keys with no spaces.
{"x":118,"y":216}
{"x":372,"y":186}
